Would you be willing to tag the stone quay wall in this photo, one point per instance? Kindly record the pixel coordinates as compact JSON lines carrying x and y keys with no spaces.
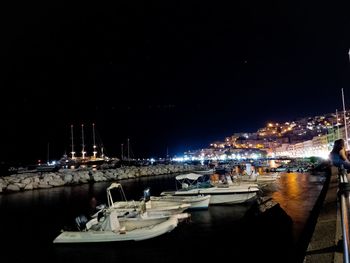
{"x":65,"y":177}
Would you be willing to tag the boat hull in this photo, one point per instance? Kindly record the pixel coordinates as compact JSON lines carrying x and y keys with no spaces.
{"x":139,"y":234}
{"x":197,"y":202}
{"x":141,"y":222}
{"x":221,"y":195}
{"x":230,"y":199}
{"x":154,"y":207}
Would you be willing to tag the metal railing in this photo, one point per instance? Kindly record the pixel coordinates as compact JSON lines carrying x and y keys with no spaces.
{"x":344,"y":199}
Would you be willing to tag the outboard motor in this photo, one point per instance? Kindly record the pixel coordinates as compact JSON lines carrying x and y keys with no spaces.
{"x":81,"y":222}
{"x":147,"y":194}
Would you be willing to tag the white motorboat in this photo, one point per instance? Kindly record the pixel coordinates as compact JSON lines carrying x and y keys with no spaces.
{"x":153,"y":208}
{"x":259,"y":178}
{"x":131,"y":214}
{"x":138,"y":214}
{"x":196,"y":202}
{"x":110,"y":230}
{"x":136,"y":219}
{"x":268,"y":177}
{"x":194,"y":184}
{"x":114,"y":224}
{"x":219,"y":195}
{"x":205,"y":172}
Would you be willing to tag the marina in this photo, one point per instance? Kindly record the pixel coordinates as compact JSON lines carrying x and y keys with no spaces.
{"x":219,"y":123}
{"x":274,"y":235}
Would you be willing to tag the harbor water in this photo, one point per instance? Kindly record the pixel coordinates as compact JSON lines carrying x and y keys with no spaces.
{"x":31,"y":220}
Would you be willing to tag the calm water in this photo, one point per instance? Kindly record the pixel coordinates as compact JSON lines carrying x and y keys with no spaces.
{"x":31,"y":220}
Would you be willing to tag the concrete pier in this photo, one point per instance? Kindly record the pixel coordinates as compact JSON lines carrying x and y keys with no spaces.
{"x":325,"y":243}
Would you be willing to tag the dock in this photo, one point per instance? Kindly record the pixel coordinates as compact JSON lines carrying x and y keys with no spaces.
{"x":324,"y":226}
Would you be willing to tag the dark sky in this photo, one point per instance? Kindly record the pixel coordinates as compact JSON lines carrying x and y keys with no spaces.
{"x":165,"y":73}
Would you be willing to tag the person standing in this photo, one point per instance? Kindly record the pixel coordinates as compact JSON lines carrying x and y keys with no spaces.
{"x":338,"y":155}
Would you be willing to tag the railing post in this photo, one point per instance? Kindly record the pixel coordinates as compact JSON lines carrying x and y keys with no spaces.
{"x":343,"y":194}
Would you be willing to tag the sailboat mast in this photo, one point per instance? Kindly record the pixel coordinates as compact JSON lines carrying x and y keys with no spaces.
{"x":48,"y":152}
{"x":338,"y":133}
{"x":72,"y":152}
{"x":128,"y":151}
{"x":121,"y":151}
{"x":346,"y":126}
{"x":94,"y":146}
{"x":83,"y":143}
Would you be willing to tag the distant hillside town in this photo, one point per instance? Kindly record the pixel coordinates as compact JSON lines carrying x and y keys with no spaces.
{"x":304,"y":137}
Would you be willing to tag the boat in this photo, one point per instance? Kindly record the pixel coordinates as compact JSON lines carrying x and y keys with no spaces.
{"x":251,"y":175}
{"x":194,"y":184}
{"x":259,"y":179}
{"x":136,"y":214}
{"x":268,"y":177}
{"x":110,"y":231}
{"x":153,"y":208}
{"x":36,"y":168}
{"x":196,"y":202}
{"x":85,"y":160}
{"x":46,"y":168}
{"x":113,"y":224}
{"x":204,"y":172}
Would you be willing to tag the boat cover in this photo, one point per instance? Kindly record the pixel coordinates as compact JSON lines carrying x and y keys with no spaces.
{"x":190,"y":176}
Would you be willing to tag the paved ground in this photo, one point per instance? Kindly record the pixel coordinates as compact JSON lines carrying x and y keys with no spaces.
{"x":323,"y":246}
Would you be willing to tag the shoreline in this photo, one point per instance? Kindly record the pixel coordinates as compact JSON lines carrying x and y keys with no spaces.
{"x":67,"y":177}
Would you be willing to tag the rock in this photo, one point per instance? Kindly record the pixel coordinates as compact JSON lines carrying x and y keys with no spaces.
{"x":44,"y":185}
{"x":13,"y":188}
{"x":57,"y":182}
{"x":29,"y":186}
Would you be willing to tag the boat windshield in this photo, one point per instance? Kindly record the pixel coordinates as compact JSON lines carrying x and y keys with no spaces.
{"x":192,"y":180}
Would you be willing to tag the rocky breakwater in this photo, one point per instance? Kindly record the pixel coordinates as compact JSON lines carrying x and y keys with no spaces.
{"x":65,"y":177}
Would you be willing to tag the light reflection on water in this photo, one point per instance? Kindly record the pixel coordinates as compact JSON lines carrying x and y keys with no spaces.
{"x":297,"y":193}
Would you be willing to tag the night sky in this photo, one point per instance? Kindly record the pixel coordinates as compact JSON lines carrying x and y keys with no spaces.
{"x":165,"y":74}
